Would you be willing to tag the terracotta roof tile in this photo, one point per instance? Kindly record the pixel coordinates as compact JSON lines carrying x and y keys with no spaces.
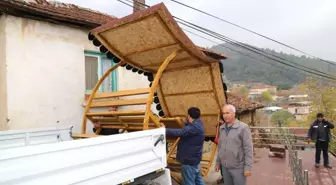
{"x":241,"y":104}
{"x":56,"y":12}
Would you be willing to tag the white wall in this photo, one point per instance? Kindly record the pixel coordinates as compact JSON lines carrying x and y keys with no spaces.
{"x":129,"y":80}
{"x":45,"y":73}
{"x":3,"y":90}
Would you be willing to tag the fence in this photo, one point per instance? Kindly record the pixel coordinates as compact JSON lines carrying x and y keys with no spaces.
{"x":332,"y":145}
{"x":288,"y":137}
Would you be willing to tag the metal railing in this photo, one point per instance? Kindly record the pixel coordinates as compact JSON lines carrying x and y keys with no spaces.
{"x":300,"y":176}
{"x":332,"y":145}
{"x":285,"y":136}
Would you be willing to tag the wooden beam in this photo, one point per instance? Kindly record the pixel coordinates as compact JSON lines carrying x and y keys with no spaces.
{"x":122,"y":93}
{"x":142,"y":101}
{"x":83,"y":135}
{"x":117,"y":113}
{"x":155,"y":85}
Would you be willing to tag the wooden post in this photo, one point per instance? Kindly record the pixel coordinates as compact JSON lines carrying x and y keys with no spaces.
{"x":154,"y":87}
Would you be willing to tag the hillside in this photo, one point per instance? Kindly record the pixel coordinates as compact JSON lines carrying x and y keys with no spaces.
{"x":240,"y":68}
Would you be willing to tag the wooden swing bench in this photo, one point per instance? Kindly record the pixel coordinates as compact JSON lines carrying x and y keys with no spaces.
{"x":181,"y":75}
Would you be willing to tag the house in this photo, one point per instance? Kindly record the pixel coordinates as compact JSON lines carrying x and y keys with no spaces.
{"x":48,"y":66}
{"x":260,"y":88}
{"x":245,"y":109}
{"x":300,"y":110}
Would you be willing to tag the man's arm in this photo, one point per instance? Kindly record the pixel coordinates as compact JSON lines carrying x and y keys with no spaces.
{"x":185,"y":131}
{"x":248,"y":149}
{"x":218,"y":149}
{"x":330,"y":125}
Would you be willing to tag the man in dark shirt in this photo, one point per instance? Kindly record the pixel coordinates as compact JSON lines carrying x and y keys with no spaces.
{"x":319,"y":132}
{"x":190,"y":147}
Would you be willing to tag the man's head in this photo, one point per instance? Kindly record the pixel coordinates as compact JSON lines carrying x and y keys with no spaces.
{"x":193,"y":113}
{"x":229,"y":113}
{"x":320,"y":116}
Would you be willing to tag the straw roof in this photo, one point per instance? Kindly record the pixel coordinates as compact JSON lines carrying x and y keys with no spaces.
{"x":193,"y":77}
{"x":241,"y":104}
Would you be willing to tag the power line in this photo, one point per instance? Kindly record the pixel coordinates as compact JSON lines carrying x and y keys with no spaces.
{"x":291,"y":65}
{"x":250,"y":48}
{"x":246,"y":29}
{"x":226,"y":39}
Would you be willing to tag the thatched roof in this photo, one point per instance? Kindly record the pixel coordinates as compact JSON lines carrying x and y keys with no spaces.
{"x":241,"y":104}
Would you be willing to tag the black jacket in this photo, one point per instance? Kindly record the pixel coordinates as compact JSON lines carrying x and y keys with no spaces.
{"x":190,"y":147}
{"x":107,"y":131}
{"x":312,"y":132}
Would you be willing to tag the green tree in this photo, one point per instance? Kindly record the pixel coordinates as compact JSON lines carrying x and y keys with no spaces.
{"x":283,"y":117}
{"x":322,"y":98}
{"x":266,"y":97}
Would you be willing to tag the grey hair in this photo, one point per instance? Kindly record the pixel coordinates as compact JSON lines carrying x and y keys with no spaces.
{"x":233,"y":108}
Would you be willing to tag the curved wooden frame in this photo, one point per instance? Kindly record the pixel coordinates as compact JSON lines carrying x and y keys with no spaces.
{"x":148,"y":112}
{"x":92,"y":95}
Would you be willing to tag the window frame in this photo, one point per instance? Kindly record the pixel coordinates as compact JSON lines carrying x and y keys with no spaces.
{"x":113,"y":75}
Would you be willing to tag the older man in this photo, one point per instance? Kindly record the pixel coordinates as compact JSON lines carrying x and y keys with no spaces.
{"x":235,"y":149}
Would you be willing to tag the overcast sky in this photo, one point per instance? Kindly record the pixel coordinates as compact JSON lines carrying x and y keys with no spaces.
{"x":308,"y":25}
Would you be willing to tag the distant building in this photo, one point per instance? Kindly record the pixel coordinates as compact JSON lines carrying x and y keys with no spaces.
{"x":245,"y":110}
{"x":300,"y":110}
{"x":260,"y":88}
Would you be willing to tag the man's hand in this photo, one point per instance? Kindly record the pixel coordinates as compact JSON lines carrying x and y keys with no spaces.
{"x":247,"y":173}
{"x":96,"y":124}
{"x":217,"y":168}
{"x":162,"y":125}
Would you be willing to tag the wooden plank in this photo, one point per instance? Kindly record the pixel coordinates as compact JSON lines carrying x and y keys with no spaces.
{"x":141,"y":101}
{"x":129,"y":127}
{"x":122,"y":93}
{"x":83,"y":135}
{"x":117,"y":113}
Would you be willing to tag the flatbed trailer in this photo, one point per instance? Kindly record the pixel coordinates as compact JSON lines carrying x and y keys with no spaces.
{"x":130,"y":158}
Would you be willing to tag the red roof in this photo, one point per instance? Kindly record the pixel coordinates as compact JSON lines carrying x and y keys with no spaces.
{"x":262,"y":86}
{"x":55,"y":12}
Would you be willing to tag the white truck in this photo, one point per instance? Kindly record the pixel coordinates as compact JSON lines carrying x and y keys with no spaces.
{"x":51,"y":156}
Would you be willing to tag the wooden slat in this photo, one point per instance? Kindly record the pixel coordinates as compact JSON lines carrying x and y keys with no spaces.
{"x":141,"y":101}
{"x":122,"y":93}
{"x":130,"y":127}
{"x":83,"y":135}
{"x":117,"y":113}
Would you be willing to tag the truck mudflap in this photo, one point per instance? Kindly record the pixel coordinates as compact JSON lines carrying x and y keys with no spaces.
{"x":115,"y":159}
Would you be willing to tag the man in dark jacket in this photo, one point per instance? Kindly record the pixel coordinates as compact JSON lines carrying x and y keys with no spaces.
{"x":319,"y":132}
{"x":190,"y":147}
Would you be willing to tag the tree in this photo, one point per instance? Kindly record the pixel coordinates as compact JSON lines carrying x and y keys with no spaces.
{"x":283,"y":117}
{"x":322,"y":98}
{"x":266,"y":97}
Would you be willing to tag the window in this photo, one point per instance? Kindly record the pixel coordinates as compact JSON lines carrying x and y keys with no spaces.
{"x":96,"y":64}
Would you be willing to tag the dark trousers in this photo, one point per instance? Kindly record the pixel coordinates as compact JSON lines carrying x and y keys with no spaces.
{"x":322,"y":146}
